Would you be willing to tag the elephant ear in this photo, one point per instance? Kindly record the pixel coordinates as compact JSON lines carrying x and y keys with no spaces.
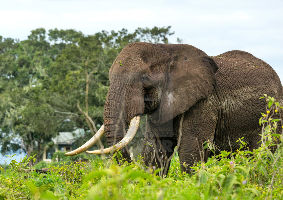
{"x":188,"y":81}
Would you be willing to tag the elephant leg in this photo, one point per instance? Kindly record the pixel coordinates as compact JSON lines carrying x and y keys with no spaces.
{"x":198,"y":126}
{"x":159,"y":146}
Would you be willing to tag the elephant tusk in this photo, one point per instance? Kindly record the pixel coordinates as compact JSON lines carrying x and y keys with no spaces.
{"x":88,"y":144}
{"x":133,"y":128}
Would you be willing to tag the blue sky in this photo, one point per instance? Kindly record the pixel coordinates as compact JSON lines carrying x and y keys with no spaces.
{"x":214,"y":26}
{"x":8,"y":158}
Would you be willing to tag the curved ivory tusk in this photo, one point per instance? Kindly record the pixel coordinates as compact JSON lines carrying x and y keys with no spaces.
{"x":134,"y":125}
{"x":88,"y":144}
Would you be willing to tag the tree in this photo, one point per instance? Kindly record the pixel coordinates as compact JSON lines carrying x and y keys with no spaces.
{"x":26,"y":113}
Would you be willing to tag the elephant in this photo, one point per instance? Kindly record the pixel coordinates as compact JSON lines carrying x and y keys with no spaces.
{"x":189,"y":98}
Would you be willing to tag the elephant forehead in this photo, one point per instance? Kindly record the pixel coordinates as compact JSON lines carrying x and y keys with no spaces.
{"x":127,"y":65}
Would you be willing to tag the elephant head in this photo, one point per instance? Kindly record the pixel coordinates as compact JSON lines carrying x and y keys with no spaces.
{"x":158,"y":80}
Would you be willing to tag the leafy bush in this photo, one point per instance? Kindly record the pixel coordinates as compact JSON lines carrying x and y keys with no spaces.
{"x":40,"y":165}
{"x":61,"y":157}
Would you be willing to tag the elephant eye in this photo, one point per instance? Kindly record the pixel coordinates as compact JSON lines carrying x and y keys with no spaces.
{"x":145,"y":80}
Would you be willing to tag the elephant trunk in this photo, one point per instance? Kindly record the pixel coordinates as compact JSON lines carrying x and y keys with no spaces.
{"x":114,"y":115}
{"x":123,"y":103}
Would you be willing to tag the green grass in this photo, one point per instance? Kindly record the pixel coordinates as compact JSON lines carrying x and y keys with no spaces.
{"x":243,"y":174}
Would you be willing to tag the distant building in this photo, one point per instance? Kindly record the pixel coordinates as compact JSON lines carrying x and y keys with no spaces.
{"x":62,"y":142}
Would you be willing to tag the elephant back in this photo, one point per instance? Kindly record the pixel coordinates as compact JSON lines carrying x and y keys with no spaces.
{"x":240,"y":71}
{"x":240,"y":82}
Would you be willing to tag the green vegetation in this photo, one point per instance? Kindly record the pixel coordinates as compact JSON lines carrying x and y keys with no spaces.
{"x":243,"y":174}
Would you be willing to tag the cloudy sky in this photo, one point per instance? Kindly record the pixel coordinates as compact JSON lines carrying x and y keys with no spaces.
{"x":214,"y":26}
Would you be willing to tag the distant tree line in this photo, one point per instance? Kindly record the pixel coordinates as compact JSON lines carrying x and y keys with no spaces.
{"x":44,"y":79}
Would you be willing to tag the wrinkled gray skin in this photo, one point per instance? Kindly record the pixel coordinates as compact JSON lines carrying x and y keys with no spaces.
{"x":184,"y":91}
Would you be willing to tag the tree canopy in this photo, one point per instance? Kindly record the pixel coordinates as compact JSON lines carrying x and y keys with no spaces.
{"x":43,"y":78}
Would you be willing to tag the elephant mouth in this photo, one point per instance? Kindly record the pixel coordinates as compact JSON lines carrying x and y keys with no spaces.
{"x":151,"y":99}
{"x":132,"y":130}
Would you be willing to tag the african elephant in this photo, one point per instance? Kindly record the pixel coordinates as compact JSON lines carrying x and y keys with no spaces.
{"x":188,"y":97}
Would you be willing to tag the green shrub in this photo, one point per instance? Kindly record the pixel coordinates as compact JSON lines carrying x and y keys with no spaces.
{"x":61,"y":157}
{"x":41,"y":165}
